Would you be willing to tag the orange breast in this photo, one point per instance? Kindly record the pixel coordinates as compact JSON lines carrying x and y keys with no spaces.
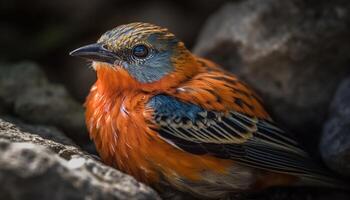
{"x":124,"y":139}
{"x":120,"y":126}
{"x":122,"y":129}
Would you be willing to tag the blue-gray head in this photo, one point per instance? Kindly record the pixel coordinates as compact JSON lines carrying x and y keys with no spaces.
{"x":146,"y":51}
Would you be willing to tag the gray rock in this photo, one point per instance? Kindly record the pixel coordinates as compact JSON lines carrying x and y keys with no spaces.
{"x":292,"y":52}
{"x":26,"y":93}
{"x":335,"y":142}
{"x":35,"y":168}
{"x":17,"y":78}
{"x":51,"y":104}
{"x":46,"y":132}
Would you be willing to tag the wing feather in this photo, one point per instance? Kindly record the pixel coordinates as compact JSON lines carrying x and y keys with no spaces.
{"x":245,"y":139}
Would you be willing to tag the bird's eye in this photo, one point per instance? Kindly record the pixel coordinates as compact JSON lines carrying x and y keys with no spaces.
{"x":140,"y":51}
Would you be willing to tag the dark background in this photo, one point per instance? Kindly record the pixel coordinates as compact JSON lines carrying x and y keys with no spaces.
{"x":296,"y":79}
{"x":46,"y":31}
{"x":294,"y":53}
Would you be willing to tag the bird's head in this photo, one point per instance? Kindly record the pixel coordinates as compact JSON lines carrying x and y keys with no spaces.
{"x":147,"y":52}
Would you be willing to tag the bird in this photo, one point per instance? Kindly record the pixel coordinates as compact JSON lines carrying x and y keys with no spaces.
{"x":173,"y":119}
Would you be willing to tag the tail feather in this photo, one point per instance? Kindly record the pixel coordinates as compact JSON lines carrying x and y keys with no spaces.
{"x":330,"y":180}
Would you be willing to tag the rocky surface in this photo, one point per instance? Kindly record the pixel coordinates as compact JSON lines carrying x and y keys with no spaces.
{"x":335,"y":142}
{"x":25,"y":92}
{"x":17,"y":78}
{"x":294,"y":53}
{"x":44,"y":131}
{"x":51,"y":104}
{"x":35,"y":168}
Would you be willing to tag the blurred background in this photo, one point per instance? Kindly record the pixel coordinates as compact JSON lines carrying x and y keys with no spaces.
{"x":294,"y":53}
{"x":46,"y":31}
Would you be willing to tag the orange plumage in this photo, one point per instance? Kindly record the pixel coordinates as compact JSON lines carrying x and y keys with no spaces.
{"x":210,"y":147}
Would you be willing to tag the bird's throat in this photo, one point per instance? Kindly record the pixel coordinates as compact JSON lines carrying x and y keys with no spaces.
{"x":113,"y":79}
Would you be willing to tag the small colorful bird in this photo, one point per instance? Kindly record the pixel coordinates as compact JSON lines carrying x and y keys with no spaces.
{"x":168,"y":117}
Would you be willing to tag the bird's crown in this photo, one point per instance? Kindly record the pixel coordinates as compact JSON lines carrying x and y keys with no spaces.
{"x":125,"y":36}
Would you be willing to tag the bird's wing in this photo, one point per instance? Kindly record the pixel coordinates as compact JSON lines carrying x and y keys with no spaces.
{"x":245,"y":139}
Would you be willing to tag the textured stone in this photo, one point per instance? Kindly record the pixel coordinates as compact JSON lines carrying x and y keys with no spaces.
{"x":51,"y":104}
{"x":294,"y":53}
{"x":16,"y":78}
{"x":335,"y":142}
{"x":46,"y":132}
{"x":35,"y":168}
{"x":26,"y":93}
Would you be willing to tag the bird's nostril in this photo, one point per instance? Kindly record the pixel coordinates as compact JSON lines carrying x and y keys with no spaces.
{"x":105,"y":46}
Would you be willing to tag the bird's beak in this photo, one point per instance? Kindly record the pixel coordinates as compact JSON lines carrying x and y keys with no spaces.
{"x":95,"y":52}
